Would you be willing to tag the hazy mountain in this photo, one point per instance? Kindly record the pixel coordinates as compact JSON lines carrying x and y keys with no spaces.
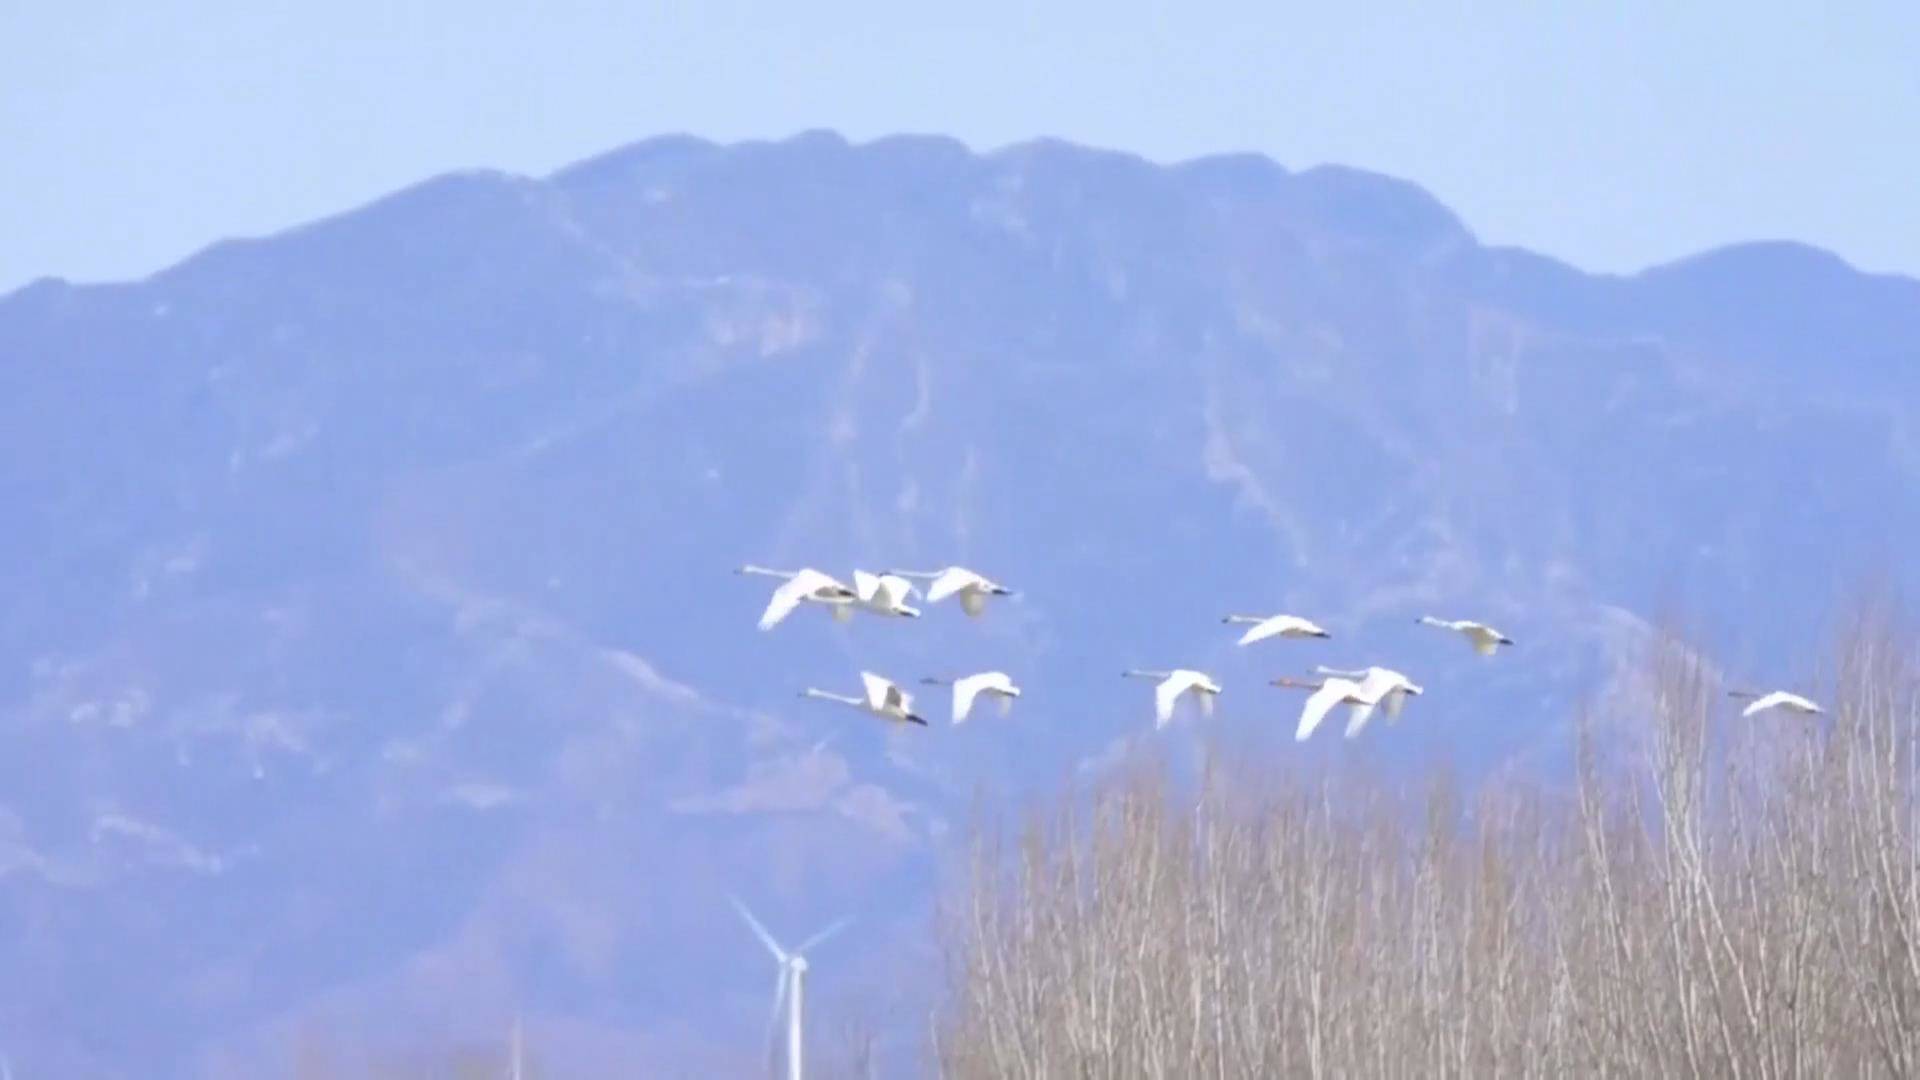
{"x":371,"y":668}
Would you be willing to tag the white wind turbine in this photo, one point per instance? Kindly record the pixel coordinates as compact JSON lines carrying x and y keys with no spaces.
{"x":793,"y":970}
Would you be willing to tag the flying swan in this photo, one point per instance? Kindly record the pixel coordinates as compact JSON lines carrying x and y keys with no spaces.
{"x":884,"y":594}
{"x":1262,"y":627}
{"x":1172,"y":685}
{"x":1484,"y":639}
{"x":803,"y":585}
{"x":972,"y":589}
{"x":1779,"y":699}
{"x":966,"y":689}
{"x":1383,"y":686}
{"x":1328,"y":693}
{"x":884,"y":699}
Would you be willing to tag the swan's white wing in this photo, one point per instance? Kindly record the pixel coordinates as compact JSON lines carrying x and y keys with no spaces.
{"x":950,"y":581}
{"x":1780,"y":699}
{"x":811,"y":581}
{"x":866,"y":585}
{"x":1376,"y":682}
{"x":898,"y":589}
{"x":1263,"y":630}
{"x":1485,"y":644}
{"x":843,"y":613}
{"x":1361,"y":714}
{"x":1278,"y":626}
{"x":1319,"y":703}
{"x":785,"y":599}
{"x":972,"y":601}
{"x":1164,"y":696}
{"x":878,"y":689}
{"x":965,"y":690}
{"x":1395,"y":700}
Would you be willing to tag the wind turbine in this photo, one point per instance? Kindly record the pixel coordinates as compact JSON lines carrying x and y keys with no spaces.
{"x":793,"y":970}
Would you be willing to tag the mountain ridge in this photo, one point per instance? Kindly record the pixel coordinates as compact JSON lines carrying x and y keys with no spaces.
{"x":684,"y":147}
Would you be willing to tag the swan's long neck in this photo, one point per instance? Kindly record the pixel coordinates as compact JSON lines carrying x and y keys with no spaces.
{"x":1429,"y":620}
{"x":1135,"y":673}
{"x":1243,"y":620}
{"x":933,"y":680}
{"x":1324,"y":670}
{"x":762,"y":571}
{"x":925,"y":575}
{"x":858,"y":703}
{"x":1298,"y":684}
{"x":1743,"y":694}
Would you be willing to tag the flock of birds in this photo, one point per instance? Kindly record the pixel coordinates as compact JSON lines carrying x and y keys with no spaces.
{"x":1362,"y":692}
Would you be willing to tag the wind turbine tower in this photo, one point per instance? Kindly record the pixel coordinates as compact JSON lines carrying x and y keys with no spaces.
{"x":788,"y":983}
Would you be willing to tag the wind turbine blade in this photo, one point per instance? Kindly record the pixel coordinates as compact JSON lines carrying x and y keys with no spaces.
{"x":766,"y":939}
{"x":836,"y":927}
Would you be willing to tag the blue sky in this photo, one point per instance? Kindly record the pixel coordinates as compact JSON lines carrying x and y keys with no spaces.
{"x":1613,"y":135}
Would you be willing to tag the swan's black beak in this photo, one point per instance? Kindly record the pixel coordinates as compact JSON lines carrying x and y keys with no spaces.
{"x":1506,"y":641}
{"x":913,"y":719}
{"x":1323,"y":634}
{"x":1002,"y":590}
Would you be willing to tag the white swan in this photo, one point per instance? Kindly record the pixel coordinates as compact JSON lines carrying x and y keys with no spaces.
{"x":1266,"y":626}
{"x":965,"y":689}
{"x":803,"y":585}
{"x":1484,"y":639}
{"x":1328,"y":693}
{"x":1384,"y":686}
{"x":1779,"y":699}
{"x":973,"y":589}
{"x":884,"y":594}
{"x":1172,"y":685}
{"x":884,"y":699}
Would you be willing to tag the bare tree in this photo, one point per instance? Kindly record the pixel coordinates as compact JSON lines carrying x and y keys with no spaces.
{"x":1721,"y":896}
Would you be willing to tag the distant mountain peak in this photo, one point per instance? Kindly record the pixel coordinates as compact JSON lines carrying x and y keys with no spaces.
{"x":659,"y":152}
{"x":1235,"y":170}
{"x":1774,"y":259}
{"x":1379,"y":206}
